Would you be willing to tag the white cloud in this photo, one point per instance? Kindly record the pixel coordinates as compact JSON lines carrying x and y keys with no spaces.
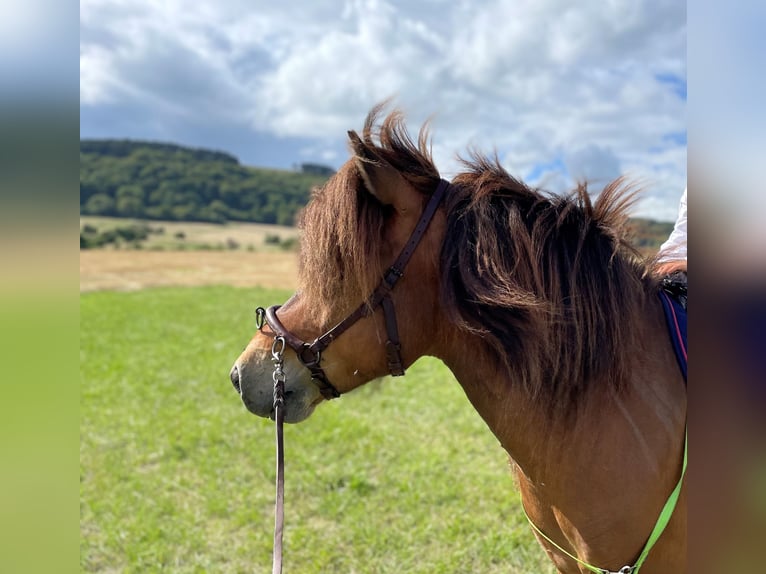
{"x":535,"y":80}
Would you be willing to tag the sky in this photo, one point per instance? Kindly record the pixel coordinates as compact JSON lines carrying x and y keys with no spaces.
{"x":561,"y":91}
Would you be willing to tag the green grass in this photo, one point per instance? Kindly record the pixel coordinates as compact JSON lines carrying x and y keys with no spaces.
{"x":176,"y":476}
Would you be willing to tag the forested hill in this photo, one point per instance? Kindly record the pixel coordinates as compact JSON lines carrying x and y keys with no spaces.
{"x":125,"y":178}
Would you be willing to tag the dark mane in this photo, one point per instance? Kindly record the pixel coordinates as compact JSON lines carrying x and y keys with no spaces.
{"x":545,"y":280}
{"x":548,"y":281}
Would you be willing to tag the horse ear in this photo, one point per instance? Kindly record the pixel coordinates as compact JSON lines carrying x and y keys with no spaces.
{"x":380,"y":178}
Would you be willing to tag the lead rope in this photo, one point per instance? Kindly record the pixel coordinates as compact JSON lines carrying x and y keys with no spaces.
{"x":277,"y":352}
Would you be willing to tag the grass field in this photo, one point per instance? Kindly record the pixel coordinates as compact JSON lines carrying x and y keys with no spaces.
{"x":175,"y":476}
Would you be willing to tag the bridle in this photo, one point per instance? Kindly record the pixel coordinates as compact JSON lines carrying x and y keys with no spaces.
{"x":310,"y":354}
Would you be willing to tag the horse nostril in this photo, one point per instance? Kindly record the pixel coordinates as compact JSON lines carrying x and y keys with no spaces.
{"x":234,"y":376}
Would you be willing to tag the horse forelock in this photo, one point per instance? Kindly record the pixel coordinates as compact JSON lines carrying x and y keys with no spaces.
{"x":548,"y":281}
{"x":343,"y":224}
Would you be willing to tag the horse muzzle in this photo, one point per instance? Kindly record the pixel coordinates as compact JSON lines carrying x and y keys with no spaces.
{"x":251,"y":377}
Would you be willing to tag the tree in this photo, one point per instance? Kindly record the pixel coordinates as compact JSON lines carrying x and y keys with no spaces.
{"x":99,"y":204}
{"x":316,"y":169}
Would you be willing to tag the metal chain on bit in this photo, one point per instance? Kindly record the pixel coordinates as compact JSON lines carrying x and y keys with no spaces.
{"x":277,"y":356}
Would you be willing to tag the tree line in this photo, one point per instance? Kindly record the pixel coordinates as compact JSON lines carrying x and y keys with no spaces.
{"x":123,"y":178}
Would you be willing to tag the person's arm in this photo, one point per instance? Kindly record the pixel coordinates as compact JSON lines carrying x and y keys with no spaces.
{"x":673,"y":253}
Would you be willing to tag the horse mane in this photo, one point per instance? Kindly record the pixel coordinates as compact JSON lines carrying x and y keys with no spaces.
{"x":548,"y":281}
{"x":551,"y":282}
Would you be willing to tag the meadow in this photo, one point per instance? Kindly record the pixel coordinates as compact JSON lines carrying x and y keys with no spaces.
{"x":176,"y":476}
{"x":190,"y":254}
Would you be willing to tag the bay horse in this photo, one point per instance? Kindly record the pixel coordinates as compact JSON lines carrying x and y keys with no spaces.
{"x":537,"y":303}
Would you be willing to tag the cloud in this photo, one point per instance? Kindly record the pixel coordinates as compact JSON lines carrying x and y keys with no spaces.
{"x":535,"y":81}
{"x":331,"y":76}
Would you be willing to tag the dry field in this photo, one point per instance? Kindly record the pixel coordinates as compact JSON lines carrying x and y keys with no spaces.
{"x":254,"y":264}
{"x":130,"y":270}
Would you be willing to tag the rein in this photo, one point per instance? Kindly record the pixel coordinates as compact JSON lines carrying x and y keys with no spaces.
{"x":310,"y":354}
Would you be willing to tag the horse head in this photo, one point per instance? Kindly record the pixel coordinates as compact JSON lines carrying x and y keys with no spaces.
{"x":349,"y":275}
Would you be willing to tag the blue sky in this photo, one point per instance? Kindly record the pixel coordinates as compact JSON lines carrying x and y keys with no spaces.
{"x":560,"y":90}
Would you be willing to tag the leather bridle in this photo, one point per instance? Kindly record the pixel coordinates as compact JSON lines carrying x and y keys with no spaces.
{"x":310,"y":354}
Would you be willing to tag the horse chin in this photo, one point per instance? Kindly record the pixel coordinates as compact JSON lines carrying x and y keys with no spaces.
{"x":298,"y":413}
{"x":299,"y":403}
{"x":295,"y":411}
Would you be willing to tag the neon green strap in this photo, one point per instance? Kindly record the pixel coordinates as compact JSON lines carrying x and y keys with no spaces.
{"x":666,"y":513}
{"x":659,"y":527}
{"x":559,"y":548}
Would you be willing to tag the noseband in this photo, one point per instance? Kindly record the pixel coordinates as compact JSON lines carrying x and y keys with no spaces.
{"x":310,"y":354}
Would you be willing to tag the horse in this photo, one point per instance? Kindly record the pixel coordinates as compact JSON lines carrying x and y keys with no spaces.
{"x":538,"y":304}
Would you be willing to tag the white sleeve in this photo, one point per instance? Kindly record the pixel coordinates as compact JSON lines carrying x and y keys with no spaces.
{"x":674,"y":249}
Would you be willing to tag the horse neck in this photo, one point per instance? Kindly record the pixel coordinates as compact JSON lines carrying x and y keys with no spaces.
{"x":619,"y":447}
{"x":510,"y":413}
{"x":652,"y":397}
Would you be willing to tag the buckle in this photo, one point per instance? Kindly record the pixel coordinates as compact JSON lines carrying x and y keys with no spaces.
{"x":313,"y":361}
{"x":392,"y":276}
